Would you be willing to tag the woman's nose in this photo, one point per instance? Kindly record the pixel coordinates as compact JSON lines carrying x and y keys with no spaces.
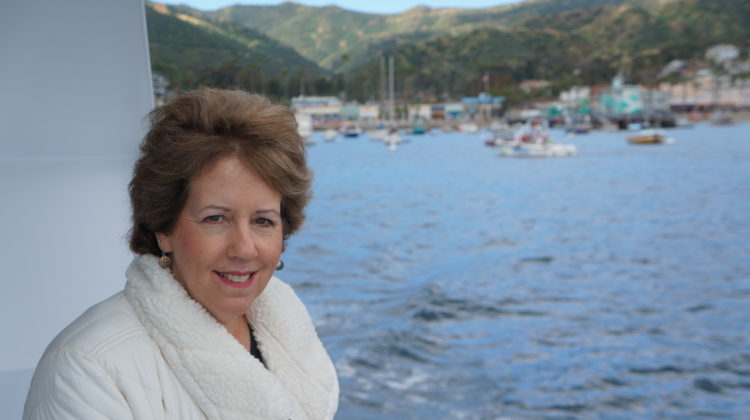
{"x":242,"y":244}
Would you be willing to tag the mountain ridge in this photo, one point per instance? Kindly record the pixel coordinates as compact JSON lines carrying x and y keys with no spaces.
{"x":444,"y":52}
{"x":188,"y":49}
{"x":326,"y":34}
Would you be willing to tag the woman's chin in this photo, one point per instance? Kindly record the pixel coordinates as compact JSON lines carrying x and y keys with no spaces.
{"x":236,"y":306}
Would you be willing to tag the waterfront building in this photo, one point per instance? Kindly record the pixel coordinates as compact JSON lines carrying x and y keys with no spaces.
{"x":707,"y":90}
{"x":420,"y":112}
{"x":369,"y":112}
{"x":654,"y":100}
{"x":483,"y":107}
{"x":528,"y":113}
{"x":437,"y":112}
{"x":576,"y":100}
{"x":324,"y":110}
{"x":620,"y":100}
{"x":350,"y":112}
{"x":454,"y":111}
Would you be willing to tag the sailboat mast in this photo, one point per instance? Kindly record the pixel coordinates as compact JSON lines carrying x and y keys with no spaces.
{"x":382,"y":84}
{"x":390,"y":88}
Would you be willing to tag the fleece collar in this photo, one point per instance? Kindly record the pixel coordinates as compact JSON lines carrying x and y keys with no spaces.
{"x":219,"y":374}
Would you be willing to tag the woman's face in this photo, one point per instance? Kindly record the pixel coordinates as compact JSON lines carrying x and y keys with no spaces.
{"x":227,"y":239}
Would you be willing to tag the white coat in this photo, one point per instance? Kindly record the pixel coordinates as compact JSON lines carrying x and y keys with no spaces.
{"x":151,"y":352}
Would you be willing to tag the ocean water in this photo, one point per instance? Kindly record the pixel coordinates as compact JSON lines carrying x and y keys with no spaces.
{"x":448,"y":282}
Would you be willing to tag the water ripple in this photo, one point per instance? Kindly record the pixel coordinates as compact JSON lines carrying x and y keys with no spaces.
{"x":447,"y":282}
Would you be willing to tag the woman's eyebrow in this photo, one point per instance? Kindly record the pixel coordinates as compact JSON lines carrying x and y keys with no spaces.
{"x":214,"y":207}
{"x":227,"y":209}
{"x":263,"y":211}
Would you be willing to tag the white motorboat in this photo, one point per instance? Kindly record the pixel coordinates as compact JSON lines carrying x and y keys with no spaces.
{"x":393,"y":139}
{"x":378,"y":134}
{"x":532,"y":140}
{"x":468,"y":127}
{"x":330,"y":134}
{"x":520,"y":149}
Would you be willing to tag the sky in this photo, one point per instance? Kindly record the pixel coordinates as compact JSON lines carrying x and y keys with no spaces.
{"x":380,"y":6}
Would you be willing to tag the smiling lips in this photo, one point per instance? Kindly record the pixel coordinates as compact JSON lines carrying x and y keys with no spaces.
{"x":237,"y":279}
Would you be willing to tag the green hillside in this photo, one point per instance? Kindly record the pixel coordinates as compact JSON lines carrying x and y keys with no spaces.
{"x":340,"y":40}
{"x":583,"y":47}
{"x":190,"y":50}
{"x":440,"y":53}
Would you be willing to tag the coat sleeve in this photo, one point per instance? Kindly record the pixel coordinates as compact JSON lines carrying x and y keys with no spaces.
{"x":69,"y":385}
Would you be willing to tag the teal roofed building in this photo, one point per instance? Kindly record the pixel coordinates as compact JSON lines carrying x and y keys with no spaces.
{"x":621,"y":99}
{"x":350,"y":112}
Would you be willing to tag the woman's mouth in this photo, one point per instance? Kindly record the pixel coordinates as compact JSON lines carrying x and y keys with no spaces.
{"x":236,"y":279}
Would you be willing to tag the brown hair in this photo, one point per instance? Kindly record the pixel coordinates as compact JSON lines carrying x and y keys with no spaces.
{"x":197,"y":129}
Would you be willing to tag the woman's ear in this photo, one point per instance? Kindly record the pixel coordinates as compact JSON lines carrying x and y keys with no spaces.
{"x":164,"y":241}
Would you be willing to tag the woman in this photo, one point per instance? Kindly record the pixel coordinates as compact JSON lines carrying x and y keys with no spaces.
{"x":202,"y":328}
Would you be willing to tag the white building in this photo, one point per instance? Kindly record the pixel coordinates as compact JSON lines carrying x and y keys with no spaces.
{"x":708,"y":90}
{"x":369,"y":112}
{"x":419,"y":112}
{"x":722,"y":53}
{"x":322,"y":109}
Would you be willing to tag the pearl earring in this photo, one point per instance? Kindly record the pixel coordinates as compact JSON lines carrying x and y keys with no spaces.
{"x":279,"y":265}
{"x":164,"y":260}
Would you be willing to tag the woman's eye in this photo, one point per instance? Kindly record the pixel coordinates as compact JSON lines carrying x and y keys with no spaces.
{"x":213,"y":218}
{"x":262,"y":221}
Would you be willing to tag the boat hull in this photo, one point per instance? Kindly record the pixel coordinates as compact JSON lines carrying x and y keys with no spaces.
{"x":538,"y":150}
{"x":648,"y":139}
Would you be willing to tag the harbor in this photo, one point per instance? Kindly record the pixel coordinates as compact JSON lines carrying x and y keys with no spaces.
{"x":448,"y":282}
